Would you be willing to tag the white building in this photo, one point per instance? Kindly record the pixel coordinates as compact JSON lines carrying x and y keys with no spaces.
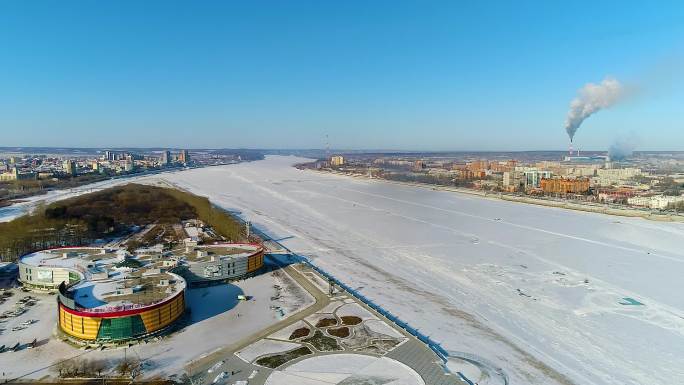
{"x":656,"y":201}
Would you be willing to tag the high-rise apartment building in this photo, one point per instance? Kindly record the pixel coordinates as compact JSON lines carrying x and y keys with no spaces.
{"x":69,"y":167}
{"x":166,"y":158}
{"x":184,"y":156}
{"x":337,"y":160}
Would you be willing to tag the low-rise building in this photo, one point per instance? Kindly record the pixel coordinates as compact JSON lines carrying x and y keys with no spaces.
{"x":659,"y":202}
{"x":220,"y":262}
{"x":96,"y":306}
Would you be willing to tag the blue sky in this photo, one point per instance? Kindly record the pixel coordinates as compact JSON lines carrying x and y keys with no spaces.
{"x":452,"y":75}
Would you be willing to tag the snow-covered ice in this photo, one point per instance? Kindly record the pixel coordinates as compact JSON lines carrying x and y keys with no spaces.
{"x":542,"y":286}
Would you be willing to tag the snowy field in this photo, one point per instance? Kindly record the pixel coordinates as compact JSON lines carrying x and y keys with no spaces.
{"x":540,"y":291}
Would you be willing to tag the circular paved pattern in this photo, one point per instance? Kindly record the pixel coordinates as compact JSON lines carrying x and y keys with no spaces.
{"x":346,"y":369}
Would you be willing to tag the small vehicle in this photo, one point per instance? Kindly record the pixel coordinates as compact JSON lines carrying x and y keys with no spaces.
{"x":242,"y":297}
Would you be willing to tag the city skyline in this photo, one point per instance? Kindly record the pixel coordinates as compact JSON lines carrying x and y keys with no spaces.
{"x":399,"y":76}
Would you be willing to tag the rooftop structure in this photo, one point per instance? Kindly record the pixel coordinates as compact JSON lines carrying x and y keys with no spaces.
{"x":225,"y":261}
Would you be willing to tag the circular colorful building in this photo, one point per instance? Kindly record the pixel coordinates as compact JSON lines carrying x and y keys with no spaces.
{"x":107,"y":295}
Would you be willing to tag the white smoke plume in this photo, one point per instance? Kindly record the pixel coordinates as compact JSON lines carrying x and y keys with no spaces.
{"x":590,"y":99}
{"x":621,"y":149}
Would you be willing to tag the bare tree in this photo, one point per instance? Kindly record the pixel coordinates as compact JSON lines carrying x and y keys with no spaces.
{"x":130,"y":367}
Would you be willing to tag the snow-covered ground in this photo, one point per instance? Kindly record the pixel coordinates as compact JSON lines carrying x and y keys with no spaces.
{"x":346,"y":369}
{"x":537,"y":290}
{"x":265,"y":347}
{"x":355,"y":310}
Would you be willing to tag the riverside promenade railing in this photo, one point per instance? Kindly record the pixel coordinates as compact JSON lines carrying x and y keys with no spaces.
{"x":432,"y":344}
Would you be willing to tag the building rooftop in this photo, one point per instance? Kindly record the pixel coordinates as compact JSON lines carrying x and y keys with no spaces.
{"x":208,"y":253}
{"x":111,"y":279}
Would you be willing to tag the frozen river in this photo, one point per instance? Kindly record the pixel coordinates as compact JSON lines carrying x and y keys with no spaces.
{"x":541,"y":291}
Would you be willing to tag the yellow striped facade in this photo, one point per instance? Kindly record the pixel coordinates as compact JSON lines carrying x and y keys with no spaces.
{"x":255,"y":262}
{"x":85,"y":328}
{"x":155,"y":319}
{"x":163,"y":316}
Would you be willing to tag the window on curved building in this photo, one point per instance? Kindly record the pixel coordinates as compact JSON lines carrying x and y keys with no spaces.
{"x":121,"y":328}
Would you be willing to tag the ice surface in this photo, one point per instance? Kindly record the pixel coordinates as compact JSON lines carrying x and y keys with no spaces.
{"x":541,"y":285}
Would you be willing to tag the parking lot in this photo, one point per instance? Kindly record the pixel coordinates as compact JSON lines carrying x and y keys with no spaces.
{"x":25,"y":317}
